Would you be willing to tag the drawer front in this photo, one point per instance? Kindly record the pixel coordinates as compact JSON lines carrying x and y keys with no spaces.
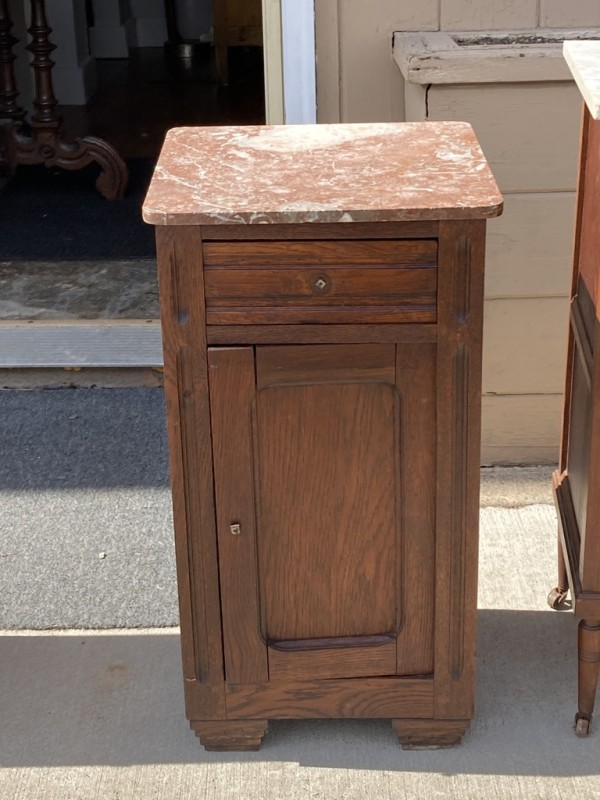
{"x":367,"y":281}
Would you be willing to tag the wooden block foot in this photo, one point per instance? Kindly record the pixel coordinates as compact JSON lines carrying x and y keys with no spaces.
{"x":230,"y":735}
{"x":429,"y":734}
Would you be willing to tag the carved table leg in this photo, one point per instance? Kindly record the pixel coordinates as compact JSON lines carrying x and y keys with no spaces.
{"x":230,"y":734}
{"x":429,"y":734}
{"x":588,"y":671}
{"x":558,"y":595}
{"x":42,"y":143}
{"x":10,"y":112}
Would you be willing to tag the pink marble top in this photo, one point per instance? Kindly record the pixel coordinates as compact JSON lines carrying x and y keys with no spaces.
{"x":366,"y":172}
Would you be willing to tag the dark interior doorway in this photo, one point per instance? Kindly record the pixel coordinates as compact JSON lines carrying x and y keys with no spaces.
{"x":139,"y":98}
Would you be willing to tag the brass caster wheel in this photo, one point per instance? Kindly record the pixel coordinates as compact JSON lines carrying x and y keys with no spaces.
{"x":582,"y":725}
{"x":557,"y":597}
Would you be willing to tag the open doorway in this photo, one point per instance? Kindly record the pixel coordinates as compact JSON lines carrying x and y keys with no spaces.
{"x":187,"y":62}
{"x":153,"y":70}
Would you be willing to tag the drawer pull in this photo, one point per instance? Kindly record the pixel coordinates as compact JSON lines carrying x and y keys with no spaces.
{"x":235,"y":528}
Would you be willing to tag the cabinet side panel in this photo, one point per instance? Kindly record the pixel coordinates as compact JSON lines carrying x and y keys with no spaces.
{"x":589,"y":232}
{"x":415,"y":379}
{"x":575,"y":281}
{"x":460,"y":312}
{"x":186,"y":393}
{"x":589,"y":269}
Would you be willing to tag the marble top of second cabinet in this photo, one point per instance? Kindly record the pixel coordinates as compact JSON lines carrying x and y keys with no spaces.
{"x":583,"y":58}
{"x":361,"y":172}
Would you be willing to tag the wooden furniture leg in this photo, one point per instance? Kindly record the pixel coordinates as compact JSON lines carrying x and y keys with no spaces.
{"x":223,"y":735}
{"x":10,"y":112}
{"x":558,"y":595}
{"x":588,"y":672}
{"x":429,"y":734}
{"x":41,"y":140}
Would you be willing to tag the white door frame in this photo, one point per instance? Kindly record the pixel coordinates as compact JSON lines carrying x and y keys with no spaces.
{"x":290,"y":61}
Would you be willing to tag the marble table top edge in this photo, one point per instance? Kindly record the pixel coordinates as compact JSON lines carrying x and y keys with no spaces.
{"x":334,"y":217}
{"x":583,"y":59}
{"x":352,"y":172}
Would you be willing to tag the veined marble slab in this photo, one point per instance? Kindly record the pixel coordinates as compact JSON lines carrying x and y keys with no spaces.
{"x":583,"y":59}
{"x":364,"y":172}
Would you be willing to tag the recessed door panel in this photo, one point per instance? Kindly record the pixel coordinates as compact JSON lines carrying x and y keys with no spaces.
{"x":318,"y":509}
{"x":327,"y":471}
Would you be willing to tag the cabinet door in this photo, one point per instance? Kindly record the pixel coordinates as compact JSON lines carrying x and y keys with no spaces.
{"x":324,"y":473}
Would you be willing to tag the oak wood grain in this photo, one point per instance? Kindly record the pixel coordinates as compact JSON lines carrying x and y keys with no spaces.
{"x":416,"y":383}
{"x":344,"y":438}
{"x":297,"y":364}
{"x":460,"y":312}
{"x":223,"y":736}
{"x":356,"y":697}
{"x":315,"y":231}
{"x":326,"y":315}
{"x":232,"y":393}
{"x":286,"y":255}
{"x":243,"y":279}
{"x":589,"y":197}
{"x":354,"y":661}
{"x":580,"y":438}
{"x":186,"y":394}
{"x":300,"y":287}
{"x":575,"y":281}
{"x":327,"y":446}
{"x":429,"y":734}
{"x":319,"y":334}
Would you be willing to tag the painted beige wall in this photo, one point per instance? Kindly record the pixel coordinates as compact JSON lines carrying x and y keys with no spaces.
{"x":530,"y":137}
{"x":529,"y":132}
{"x":357,"y":80}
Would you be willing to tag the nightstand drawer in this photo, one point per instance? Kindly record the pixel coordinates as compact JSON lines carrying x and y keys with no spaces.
{"x":366,"y":281}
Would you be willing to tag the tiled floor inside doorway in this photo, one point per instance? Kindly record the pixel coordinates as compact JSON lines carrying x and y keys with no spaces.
{"x":137,"y":101}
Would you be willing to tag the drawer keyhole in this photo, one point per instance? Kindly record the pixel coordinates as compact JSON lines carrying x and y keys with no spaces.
{"x":320,"y":283}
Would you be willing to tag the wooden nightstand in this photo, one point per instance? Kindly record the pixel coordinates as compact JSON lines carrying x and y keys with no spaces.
{"x":321,"y":292}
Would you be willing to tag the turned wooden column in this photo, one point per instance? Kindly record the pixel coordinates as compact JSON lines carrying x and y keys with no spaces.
{"x":10,"y":111}
{"x":40,"y":140}
{"x":588,"y":669}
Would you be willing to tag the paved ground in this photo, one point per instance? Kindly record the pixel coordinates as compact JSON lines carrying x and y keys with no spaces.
{"x":99,"y":714}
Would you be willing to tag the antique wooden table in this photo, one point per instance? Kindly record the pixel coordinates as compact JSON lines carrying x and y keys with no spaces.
{"x":41,"y":140}
{"x":321,"y":293}
{"x":577,"y":480}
